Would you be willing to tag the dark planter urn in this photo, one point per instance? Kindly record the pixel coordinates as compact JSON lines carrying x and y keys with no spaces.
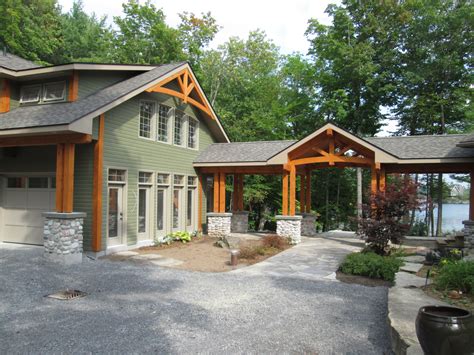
{"x":445,"y":330}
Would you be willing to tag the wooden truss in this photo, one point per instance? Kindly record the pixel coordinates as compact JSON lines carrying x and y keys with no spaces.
{"x":183,"y":86}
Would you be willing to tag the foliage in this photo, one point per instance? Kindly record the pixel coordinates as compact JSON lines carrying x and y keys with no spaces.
{"x":183,"y":237}
{"x":419,"y":228}
{"x":458,"y":275}
{"x":251,"y":252}
{"x":371,"y":265}
{"x":385,"y":214}
{"x":275,"y":241}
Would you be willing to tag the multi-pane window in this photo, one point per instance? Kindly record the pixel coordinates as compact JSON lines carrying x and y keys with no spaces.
{"x":116,"y":175}
{"x":145,"y":178}
{"x":16,"y":182}
{"x":192,"y":133}
{"x":178,"y":180}
{"x":192,"y":180}
{"x":38,"y":182}
{"x":178,"y":127}
{"x":164,"y":113}
{"x":30,"y":94}
{"x":54,"y":91}
{"x":147,"y":112}
{"x":163,"y":179}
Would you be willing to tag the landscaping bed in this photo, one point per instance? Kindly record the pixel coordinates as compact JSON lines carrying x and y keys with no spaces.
{"x":201,"y":253}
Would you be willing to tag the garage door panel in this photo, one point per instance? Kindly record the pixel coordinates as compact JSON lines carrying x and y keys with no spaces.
{"x":39,"y":200}
{"x":15,"y":199}
{"x":22,"y":234}
{"x":17,"y":217}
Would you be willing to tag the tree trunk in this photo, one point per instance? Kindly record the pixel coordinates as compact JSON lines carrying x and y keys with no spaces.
{"x":427,"y":207}
{"x":413,"y":211}
{"x":431,"y":206}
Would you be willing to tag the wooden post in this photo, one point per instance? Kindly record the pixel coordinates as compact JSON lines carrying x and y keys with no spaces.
{"x":64,"y":177}
{"x":59,"y":177}
{"x":284,"y":194}
{"x":73,"y":86}
{"x":373,"y":181}
{"x":97,"y":187}
{"x":292,"y":189}
{"x":308,"y":191}
{"x":302,"y":193}
{"x":382,"y":180}
{"x":216,"y":192}
{"x":222,"y":193}
{"x":471,"y":197}
{"x":5,"y":96}
{"x":200,"y":197}
{"x":240,"y":205}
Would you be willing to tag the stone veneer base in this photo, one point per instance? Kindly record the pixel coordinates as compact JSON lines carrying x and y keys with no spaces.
{"x":219,"y":224}
{"x":469,"y":235}
{"x":240,"y":222}
{"x":63,"y":236}
{"x":308,"y":224}
{"x":289,"y":227}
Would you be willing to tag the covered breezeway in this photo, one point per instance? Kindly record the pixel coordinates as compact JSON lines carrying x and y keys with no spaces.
{"x":329,"y":146}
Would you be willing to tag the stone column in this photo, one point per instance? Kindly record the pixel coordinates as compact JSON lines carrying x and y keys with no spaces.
{"x":308,"y":224}
{"x":469,"y":236}
{"x":289,"y":227}
{"x":62,"y":236}
{"x":240,"y":222}
{"x":219,"y":224}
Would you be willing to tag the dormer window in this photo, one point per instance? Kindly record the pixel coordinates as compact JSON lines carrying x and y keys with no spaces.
{"x":30,"y":94}
{"x":49,"y":92}
{"x":54,"y":91}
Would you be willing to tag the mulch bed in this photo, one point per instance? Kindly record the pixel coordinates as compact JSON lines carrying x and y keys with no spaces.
{"x":466,"y":301}
{"x":362,"y":280}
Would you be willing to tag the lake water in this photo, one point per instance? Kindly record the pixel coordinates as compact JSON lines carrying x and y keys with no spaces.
{"x":453,"y":215}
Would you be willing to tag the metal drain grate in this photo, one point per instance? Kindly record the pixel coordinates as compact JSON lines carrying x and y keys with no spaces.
{"x":66,"y":295}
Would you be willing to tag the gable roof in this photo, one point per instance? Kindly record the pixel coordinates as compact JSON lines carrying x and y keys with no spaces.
{"x":423,"y":147}
{"x":55,"y":114}
{"x":248,"y":152}
{"x":467,"y":142}
{"x":13,"y":62}
{"x":388,"y":149}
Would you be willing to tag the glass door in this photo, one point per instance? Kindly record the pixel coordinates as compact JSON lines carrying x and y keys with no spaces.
{"x":176,"y":209}
{"x":144,"y":213}
{"x":115,"y":215}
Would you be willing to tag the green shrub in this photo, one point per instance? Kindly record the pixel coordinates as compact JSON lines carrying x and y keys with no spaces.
{"x":371,"y":265}
{"x":456,"y":276}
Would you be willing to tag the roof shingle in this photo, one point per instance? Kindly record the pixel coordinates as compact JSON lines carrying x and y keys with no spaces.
{"x":68,"y":112}
{"x":13,"y":62}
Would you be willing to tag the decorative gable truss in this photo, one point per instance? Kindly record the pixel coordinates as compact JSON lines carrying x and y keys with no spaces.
{"x":184,"y":86}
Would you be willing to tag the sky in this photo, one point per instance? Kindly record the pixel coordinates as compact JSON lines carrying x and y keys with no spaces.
{"x":284,"y":22}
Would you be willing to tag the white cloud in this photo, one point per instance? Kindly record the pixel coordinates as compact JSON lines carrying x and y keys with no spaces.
{"x":284,"y":23}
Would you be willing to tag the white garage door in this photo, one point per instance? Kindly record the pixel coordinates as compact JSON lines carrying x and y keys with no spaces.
{"x":24,"y":199}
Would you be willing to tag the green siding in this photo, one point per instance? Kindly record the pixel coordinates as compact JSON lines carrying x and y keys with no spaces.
{"x":92,"y":81}
{"x":124,"y":149}
{"x":83,"y":173}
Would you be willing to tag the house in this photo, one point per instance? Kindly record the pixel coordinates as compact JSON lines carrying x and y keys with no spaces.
{"x":106,"y":157}
{"x":100,"y":154}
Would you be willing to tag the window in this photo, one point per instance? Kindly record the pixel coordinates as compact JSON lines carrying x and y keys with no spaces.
{"x":116,"y":175}
{"x":189,"y":207}
{"x":192,"y":133}
{"x":176,"y":207}
{"x":147,"y":112}
{"x":30,"y":94}
{"x":192,"y":180}
{"x":16,"y":182}
{"x":163,"y":179}
{"x":164,"y":115}
{"x":178,"y":180}
{"x":54,"y":91}
{"x":38,"y":182}
{"x":178,"y":127}
{"x":145,"y":178}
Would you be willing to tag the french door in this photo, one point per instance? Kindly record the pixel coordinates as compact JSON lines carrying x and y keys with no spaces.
{"x":144,"y":213}
{"x":115,"y":220}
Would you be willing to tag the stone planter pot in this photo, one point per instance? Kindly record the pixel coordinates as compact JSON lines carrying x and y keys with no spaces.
{"x":445,"y":330}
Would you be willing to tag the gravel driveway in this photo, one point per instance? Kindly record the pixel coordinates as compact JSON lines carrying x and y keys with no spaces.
{"x":141,"y":308}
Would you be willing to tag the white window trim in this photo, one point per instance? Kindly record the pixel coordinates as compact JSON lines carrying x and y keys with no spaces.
{"x":153,"y":120}
{"x":22,"y":101}
{"x":184,"y":134}
{"x":124,"y":185}
{"x":166,"y":203}
{"x":170,"y":123}
{"x":54,"y":100}
{"x":146,"y":183}
{"x":189,"y":118}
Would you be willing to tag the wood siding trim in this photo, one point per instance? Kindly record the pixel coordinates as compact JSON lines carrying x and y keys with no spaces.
{"x":59,"y":177}
{"x":65,"y":177}
{"x":292,"y":190}
{"x":5,"y":96}
{"x":73,"y":86}
{"x":98,"y":169}
{"x":200,"y":202}
{"x":216,"y":189}
{"x":222,"y":193}
{"x":302,"y":193}
{"x":74,"y":138}
{"x":284,"y":194}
